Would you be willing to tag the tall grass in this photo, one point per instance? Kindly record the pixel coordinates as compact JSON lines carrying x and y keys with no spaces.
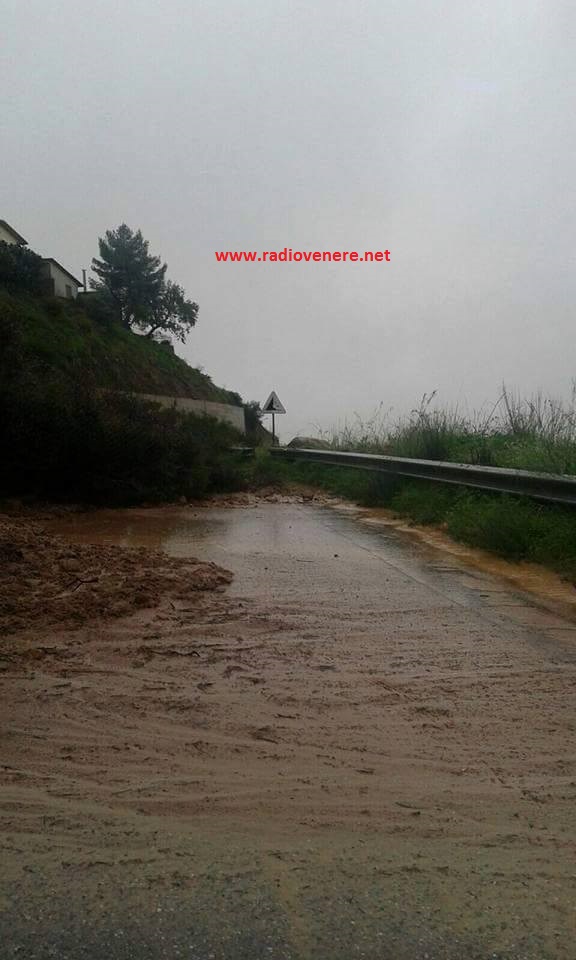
{"x":533,"y":433}
{"x":368,"y":435}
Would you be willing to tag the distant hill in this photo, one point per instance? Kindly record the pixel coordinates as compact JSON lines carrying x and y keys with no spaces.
{"x":62,"y":337}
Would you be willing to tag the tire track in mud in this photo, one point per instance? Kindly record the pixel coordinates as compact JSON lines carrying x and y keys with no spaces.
{"x":379,"y":734}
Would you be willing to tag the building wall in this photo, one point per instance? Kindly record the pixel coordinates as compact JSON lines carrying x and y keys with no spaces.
{"x":221,"y":411}
{"x":5,"y":236}
{"x":62,"y":285}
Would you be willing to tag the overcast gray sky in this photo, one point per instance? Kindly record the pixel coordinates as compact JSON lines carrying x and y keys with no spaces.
{"x":442,"y":131}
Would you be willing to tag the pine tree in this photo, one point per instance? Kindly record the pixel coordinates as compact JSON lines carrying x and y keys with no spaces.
{"x":132,"y":277}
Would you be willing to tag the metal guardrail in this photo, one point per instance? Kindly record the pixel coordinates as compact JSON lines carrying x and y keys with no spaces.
{"x":551,"y":487}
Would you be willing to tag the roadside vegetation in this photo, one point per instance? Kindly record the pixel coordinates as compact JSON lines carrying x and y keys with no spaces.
{"x":78,"y":340}
{"x":72,"y":426}
{"x":63,"y":439}
{"x":66,"y":443}
{"x":537,"y":434}
{"x":514,"y":528}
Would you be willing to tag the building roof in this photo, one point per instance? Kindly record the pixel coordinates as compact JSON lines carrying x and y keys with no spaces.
{"x":14,"y":233}
{"x":63,"y":269}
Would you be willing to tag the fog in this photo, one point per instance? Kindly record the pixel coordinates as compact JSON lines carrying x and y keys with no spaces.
{"x":443,"y":132}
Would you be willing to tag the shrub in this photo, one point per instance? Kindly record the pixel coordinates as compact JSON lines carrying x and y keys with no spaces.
{"x":20,"y":268}
{"x":98,"y":306}
{"x":66,"y":442}
{"x":501,"y":524}
{"x":424,"y":503}
{"x":11,"y":347}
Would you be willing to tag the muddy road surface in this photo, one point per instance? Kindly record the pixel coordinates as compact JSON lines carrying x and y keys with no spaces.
{"x":363,"y":747}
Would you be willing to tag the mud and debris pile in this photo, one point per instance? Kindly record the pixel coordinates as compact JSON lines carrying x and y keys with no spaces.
{"x":44,"y":579}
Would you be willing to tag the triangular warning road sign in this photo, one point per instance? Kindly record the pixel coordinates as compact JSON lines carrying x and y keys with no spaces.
{"x":273,"y":404}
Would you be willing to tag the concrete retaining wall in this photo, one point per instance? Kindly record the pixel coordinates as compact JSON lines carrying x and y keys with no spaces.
{"x":221,"y":411}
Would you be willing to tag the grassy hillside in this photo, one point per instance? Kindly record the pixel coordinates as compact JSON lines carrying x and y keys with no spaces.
{"x":64,"y":438}
{"x":61,"y":337}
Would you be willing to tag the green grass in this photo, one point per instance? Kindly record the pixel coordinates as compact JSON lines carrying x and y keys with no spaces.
{"x":536,"y":433}
{"x":67,"y":433}
{"x":514,"y":528}
{"x":60,"y":338}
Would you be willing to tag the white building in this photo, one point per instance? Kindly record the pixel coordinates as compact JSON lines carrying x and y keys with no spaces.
{"x":9,"y":235}
{"x":59,"y":282}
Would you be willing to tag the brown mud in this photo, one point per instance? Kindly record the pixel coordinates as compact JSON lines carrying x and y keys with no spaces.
{"x":45,"y":579}
{"x":373,"y":735}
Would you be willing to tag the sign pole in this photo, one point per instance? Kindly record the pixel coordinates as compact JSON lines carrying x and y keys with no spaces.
{"x":273,"y":406}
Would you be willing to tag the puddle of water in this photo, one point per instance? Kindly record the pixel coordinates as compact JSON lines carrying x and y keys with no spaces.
{"x":179,"y":532}
{"x":249,"y":539}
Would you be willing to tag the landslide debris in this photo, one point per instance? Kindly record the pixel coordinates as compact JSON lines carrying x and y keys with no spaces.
{"x":44,"y":579}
